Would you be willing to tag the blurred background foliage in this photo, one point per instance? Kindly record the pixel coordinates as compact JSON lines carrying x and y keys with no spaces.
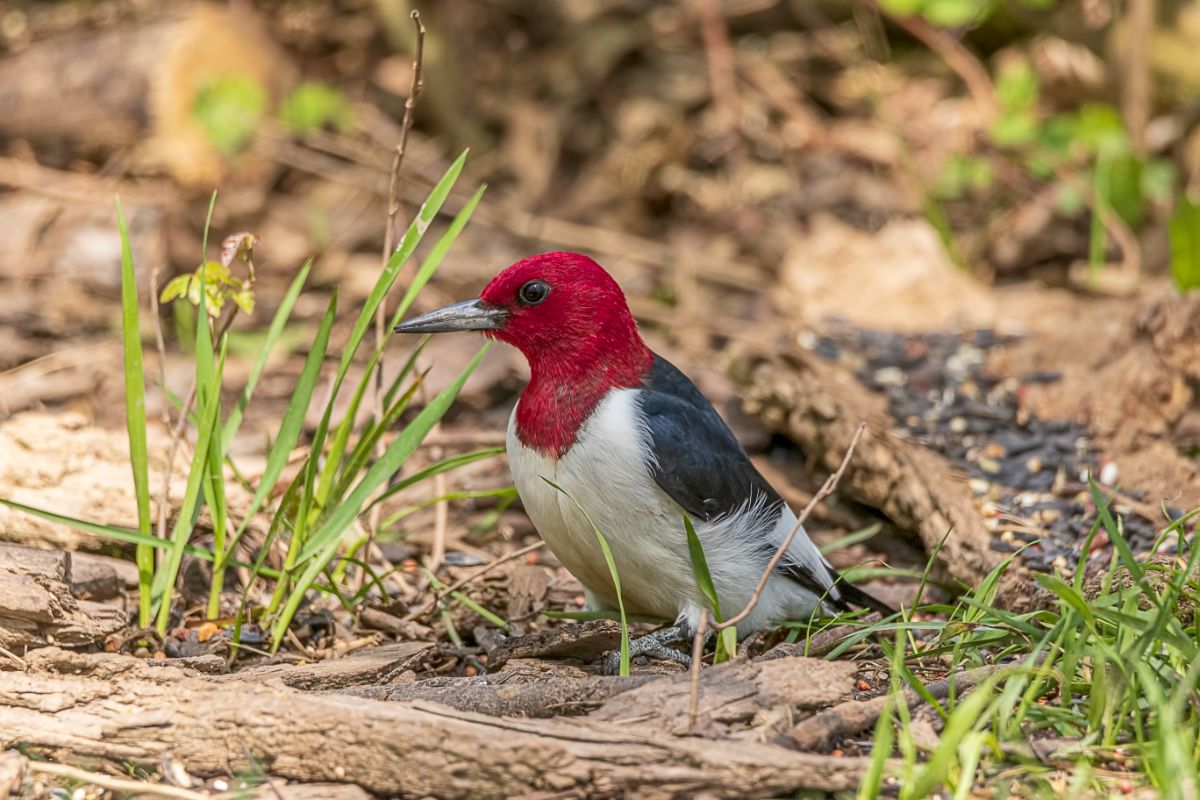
{"x":1048,"y":142}
{"x":1033,"y":134}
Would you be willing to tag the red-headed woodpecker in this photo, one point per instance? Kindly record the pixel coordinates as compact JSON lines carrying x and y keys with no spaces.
{"x":633,"y":442}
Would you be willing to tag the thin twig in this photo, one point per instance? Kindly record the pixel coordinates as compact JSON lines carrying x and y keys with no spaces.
{"x":114,"y":784}
{"x":697,"y":654}
{"x":432,"y":604}
{"x":826,"y":490}
{"x":1135,"y":99}
{"x":393,"y":198}
{"x":389,"y":245}
{"x":721,"y":66}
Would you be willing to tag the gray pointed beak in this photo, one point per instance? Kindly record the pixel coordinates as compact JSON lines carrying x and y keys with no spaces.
{"x":469,"y":315}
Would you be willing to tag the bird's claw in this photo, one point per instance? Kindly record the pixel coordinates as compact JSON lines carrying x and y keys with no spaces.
{"x":652,"y":644}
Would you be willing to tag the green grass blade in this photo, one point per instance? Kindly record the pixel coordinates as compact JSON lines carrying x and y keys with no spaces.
{"x":505,"y":493}
{"x":117,"y":533}
{"x":208,"y":392}
{"x":375,"y":298}
{"x":165,"y":577}
{"x":408,"y":244}
{"x":323,"y":543}
{"x":1110,"y":527}
{"x":409,"y":364}
{"x":293,"y":418}
{"x":700,"y":567}
{"x":114,"y":532}
{"x":362,"y":451}
{"x":872,"y":783}
{"x":727,"y":638}
{"x":850,"y":539}
{"x":438,"y":467}
{"x":400,"y":449}
{"x":135,"y":415}
{"x":214,"y":492}
{"x":612,"y":571}
{"x":426,"y":271}
{"x":434,"y":260}
{"x":278,"y":322}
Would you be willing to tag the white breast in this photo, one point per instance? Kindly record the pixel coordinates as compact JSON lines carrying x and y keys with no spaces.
{"x":605,"y":478}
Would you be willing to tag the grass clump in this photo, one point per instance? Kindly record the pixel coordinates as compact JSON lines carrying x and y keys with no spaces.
{"x":1096,"y":695}
{"x":345,"y":467}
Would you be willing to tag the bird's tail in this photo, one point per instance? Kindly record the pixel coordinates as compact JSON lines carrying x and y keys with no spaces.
{"x":853,"y":595}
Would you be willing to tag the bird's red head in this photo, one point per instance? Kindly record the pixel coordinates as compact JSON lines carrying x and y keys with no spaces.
{"x":571,"y":321}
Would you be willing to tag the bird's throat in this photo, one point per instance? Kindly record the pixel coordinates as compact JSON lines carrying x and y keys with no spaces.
{"x":563,"y":392}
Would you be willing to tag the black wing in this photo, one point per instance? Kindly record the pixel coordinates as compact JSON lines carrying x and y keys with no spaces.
{"x":698,"y":460}
{"x":701,"y":465}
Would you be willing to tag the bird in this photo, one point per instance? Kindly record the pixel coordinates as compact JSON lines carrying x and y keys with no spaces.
{"x":610,"y":434}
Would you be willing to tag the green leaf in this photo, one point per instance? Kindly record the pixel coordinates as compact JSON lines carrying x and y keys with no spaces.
{"x":176,"y":287}
{"x":901,"y":8}
{"x":245,"y":300}
{"x":1015,"y":129}
{"x":228,"y":110}
{"x":1017,"y":87}
{"x":135,"y":414}
{"x":954,"y":13}
{"x":313,"y":106}
{"x":1184,"y":227}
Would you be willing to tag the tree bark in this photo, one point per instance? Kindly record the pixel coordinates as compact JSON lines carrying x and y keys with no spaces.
{"x":38,"y":604}
{"x":126,"y":710}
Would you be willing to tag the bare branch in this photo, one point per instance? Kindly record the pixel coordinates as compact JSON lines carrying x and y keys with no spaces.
{"x":389,"y":245}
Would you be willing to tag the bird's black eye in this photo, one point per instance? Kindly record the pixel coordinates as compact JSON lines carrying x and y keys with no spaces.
{"x":533,"y":292}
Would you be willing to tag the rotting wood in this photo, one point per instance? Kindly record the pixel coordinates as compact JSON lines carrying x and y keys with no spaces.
{"x":138,"y":712}
{"x":37,"y":606}
{"x":819,"y":405}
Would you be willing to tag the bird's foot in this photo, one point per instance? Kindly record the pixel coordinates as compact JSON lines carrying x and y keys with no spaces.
{"x":652,"y":644}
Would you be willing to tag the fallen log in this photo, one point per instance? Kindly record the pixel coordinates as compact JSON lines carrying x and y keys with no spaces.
{"x":819,"y":406}
{"x":824,"y":728}
{"x":132,"y":712}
